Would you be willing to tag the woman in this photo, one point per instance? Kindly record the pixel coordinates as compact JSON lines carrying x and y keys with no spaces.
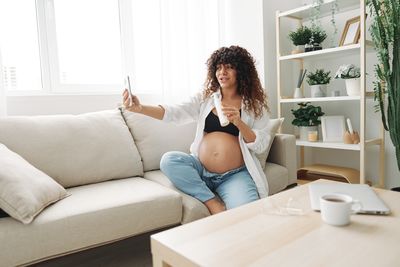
{"x":222,"y":160}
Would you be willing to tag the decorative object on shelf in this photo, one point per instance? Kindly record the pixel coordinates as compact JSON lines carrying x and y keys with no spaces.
{"x":351,"y":74}
{"x":334,"y":10}
{"x":315,"y":22}
{"x":333,"y":128}
{"x":385,"y":32}
{"x":315,"y":13}
{"x":351,"y":32}
{"x":299,"y":38}
{"x":318,"y":81}
{"x":350,"y":136}
{"x":335,"y":93}
{"x":312,"y":136}
{"x":318,"y":35}
{"x":298,"y":92}
{"x":307,"y":118}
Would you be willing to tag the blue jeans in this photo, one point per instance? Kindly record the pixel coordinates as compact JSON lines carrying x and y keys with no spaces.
{"x":235,"y":187}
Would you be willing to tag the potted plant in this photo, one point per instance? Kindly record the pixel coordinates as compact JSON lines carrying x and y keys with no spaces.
{"x":318,"y":81}
{"x":300,"y":38}
{"x":318,"y":35}
{"x":351,"y":74}
{"x":385,"y":29}
{"x":307,"y":118}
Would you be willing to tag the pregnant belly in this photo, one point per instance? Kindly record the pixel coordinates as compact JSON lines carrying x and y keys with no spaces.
{"x":220,"y":152}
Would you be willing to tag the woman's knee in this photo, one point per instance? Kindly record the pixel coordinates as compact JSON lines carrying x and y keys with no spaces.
{"x":172,"y":158}
{"x":241,"y":198}
{"x":238,"y":191}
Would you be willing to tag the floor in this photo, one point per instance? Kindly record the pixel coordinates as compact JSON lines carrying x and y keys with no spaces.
{"x":131,"y":252}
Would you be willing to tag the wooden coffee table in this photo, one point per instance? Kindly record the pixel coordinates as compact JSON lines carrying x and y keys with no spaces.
{"x":257,"y":234}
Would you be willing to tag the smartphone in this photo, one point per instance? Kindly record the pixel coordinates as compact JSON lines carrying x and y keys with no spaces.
{"x":128,"y":86}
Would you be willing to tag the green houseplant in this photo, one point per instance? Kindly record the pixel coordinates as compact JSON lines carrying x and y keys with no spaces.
{"x":351,"y":74}
{"x":318,"y":81}
{"x":385,"y":32}
{"x":318,"y":35}
{"x":306,"y":117}
{"x":299,"y":38}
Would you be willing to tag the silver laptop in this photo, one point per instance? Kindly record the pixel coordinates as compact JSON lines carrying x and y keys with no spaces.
{"x":371,"y":203}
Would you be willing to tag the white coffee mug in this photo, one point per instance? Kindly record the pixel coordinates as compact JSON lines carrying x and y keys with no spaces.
{"x":336,"y":208}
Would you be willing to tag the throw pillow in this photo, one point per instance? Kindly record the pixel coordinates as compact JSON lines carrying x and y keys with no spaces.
{"x":271,"y":128}
{"x":154,"y":137}
{"x":75,"y":149}
{"x":24,"y":190}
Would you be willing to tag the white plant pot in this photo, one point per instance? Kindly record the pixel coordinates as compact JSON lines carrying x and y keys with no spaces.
{"x":318,"y":90}
{"x":298,"y":49}
{"x":304,"y":131}
{"x":353,"y":86}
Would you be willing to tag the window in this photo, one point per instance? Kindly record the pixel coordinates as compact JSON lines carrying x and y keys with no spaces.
{"x":19,"y":45}
{"x":167,"y":56}
{"x":88,"y":41}
{"x":90,"y":45}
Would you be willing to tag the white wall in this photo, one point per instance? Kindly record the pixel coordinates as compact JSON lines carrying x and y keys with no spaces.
{"x":242,"y":24}
{"x":269,"y":10}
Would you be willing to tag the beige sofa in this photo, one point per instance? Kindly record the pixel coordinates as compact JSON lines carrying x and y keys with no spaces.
{"x":117,"y":190}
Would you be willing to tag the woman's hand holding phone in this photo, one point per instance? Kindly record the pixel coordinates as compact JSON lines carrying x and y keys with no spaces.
{"x":130,"y":101}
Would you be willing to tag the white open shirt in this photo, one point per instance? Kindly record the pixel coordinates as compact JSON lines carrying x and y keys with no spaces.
{"x":197,"y":109}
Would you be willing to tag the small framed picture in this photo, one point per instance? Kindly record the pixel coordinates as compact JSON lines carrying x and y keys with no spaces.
{"x":351,"y":32}
{"x":333,"y":128}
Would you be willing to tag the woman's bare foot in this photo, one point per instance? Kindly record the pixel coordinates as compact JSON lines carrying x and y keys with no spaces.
{"x":215,"y":206}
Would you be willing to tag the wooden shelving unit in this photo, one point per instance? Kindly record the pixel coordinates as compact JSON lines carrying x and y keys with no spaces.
{"x":302,"y":15}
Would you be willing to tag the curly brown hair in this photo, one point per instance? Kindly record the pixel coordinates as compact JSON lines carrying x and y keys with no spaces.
{"x":249,"y":85}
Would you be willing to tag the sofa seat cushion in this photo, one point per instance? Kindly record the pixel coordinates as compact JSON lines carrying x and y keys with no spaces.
{"x":74,"y":149}
{"x":193,"y":209}
{"x":277,"y":176}
{"x":92,"y":215}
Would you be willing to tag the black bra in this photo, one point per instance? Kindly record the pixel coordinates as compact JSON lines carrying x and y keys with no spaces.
{"x":212,"y":125}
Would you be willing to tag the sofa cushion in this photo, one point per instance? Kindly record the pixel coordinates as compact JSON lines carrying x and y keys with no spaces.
{"x":193,"y":209}
{"x":277,"y":177}
{"x":94,"y":214}
{"x":154,"y":137}
{"x":272,"y":128}
{"x":74,"y":149}
{"x":24,"y":190}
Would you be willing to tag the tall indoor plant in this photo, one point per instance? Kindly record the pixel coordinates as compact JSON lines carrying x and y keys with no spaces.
{"x":385,"y":32}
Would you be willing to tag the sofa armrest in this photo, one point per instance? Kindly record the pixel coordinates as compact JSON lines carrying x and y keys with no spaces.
{"x":283,"y":152}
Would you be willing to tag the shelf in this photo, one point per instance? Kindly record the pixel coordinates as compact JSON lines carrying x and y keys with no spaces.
{"x":337,"y":145}
{"x":321,"y":144}
{"x":349,"y":174}
{"x":304,"y":12}
{"x":319,"y":99}
{"x":328,"y":57}
{"x":330,"y":52}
